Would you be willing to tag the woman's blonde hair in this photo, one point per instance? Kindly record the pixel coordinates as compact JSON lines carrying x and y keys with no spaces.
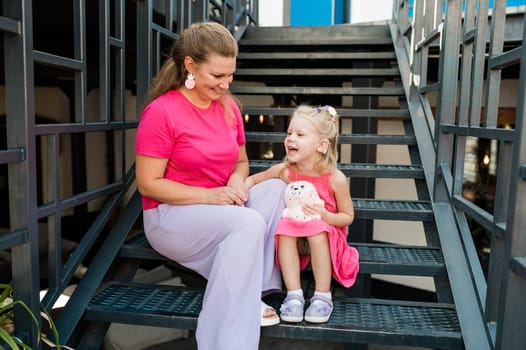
{"x":325,"y":122}
{"x":198,"y":41}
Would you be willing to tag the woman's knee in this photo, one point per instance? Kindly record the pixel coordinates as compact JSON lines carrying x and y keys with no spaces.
{"x":268,"y":191}
{"x":245,"y":231}
{"x":252,"y":221}
{"x":273,"y":185}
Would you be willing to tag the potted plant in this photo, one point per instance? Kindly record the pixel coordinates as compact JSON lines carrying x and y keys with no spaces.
{"x":7,"y":326}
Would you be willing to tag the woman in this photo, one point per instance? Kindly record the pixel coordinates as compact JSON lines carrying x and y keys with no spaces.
{"x":191,"y":166}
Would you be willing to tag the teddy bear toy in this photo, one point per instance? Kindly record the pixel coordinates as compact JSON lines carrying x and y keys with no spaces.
{"x":297,"y":194}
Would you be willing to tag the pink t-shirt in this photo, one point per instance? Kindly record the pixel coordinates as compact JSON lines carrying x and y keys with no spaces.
{"x":201,"y":146}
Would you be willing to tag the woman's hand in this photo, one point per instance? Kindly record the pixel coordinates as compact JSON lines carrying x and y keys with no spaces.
{"x":226,"y":195}
{"x":240,"y":189}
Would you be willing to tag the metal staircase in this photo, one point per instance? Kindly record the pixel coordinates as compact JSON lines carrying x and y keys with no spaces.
{"x":67,"y":168}
{"x":288,"y":66}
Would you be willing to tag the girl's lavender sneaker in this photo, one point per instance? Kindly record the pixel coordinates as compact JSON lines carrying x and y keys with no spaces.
{"x":292,"y":309}
{"x":320,"y":309}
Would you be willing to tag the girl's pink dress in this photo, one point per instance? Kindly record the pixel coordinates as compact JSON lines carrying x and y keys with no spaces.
{"x":344,"y":258}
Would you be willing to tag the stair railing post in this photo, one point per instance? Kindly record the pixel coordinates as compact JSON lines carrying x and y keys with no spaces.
{"x":511,"y":304}
{"x":144,"y":50}
{"x":447,"y":95}
{"x":417,"y":34}
{"x":22,"y":187}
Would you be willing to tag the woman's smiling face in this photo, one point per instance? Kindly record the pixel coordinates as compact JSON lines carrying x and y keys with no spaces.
{"x":213,"y":78}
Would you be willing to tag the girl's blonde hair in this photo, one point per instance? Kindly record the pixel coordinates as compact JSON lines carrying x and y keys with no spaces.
{"x":198,"y":41}
{"x":325,"y":122}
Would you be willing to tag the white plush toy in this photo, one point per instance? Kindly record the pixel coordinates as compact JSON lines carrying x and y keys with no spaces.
{"x":297,"y":194}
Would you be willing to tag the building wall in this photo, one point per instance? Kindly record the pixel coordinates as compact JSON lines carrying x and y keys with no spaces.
{"x":322,"y":12}
{"x":370,"y":10}
{"x":317,"y":12}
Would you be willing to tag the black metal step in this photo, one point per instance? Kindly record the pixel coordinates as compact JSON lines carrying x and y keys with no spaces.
{"x":314,"y":90}
{"x":375,"y":139}
{"x":384,"y":209}
{"x":342,"y":112}
{"x":375,"y":258}
{"x":309,"y":56}
{"x":388,"y":259}
{"x":265,"y":73}
{"x":371,"y":31}
{"x":327,"y":41}
{"x":392,"y":322}
{"x":364,"y":170}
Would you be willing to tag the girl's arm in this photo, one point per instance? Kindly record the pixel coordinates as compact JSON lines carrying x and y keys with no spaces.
{"x":345,"y":211}
{"x":274,"y":172}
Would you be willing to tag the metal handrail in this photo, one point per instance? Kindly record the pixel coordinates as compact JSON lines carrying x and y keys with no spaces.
{"x":28,"y":140}
{"x":446,"y":27}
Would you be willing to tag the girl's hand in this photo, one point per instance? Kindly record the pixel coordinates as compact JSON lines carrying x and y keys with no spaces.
{"x":313,"y":209}
{"x":249,"y":182}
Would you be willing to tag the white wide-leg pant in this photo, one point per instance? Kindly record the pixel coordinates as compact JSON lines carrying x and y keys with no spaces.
{"x":233,"y":248}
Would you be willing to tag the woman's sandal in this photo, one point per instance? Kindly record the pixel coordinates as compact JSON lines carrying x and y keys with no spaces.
{"x":269,"y":316}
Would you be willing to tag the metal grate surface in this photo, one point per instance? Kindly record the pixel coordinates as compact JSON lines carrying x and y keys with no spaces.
{"x":375,"y":139}
{"x":400,"y":260}
{"x":392,"y":209}
{"x":394,"y":318}
{"x":374,"y":257}
{"x":148,"y":299}
{"x":359,"y":169}
{"x":399,"y":255}
{"x":374,"y":253}
{"x":392,"y":205}
{"x":353,"y":320}
{"x":382,"y":322}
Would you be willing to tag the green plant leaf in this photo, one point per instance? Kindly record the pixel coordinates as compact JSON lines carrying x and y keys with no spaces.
{"x":8,"y":339}
{"x":45,"y":315}
{"x":6,"y":311}
{"x":6,"y":291}
{"x":21,"y":343}
{"x":30,"y":313}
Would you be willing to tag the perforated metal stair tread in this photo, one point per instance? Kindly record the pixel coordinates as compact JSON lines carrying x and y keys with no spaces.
{"x":353,"y":320}
{"x":260,"y":136}
{"x":400,"y":260}
{"x":308,"y":56}
{"x":314,"y":90}
{"x":374,"y":257}
{"x":343,"y":112}
{"x":392,"y":209}
{"x":316,"y":41}
{"x":393,"y":171}
{"x":345,"y":72}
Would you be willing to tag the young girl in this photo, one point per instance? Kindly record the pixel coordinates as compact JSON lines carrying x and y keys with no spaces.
{"x":311,"y":155}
